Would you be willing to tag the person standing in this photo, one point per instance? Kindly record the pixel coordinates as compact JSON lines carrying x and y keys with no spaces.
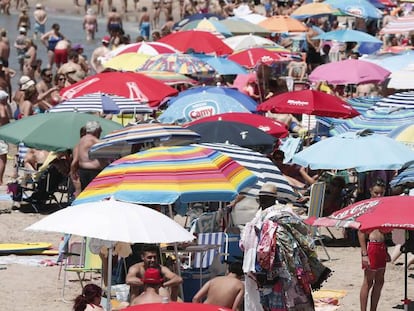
{"x":24,"y":19}
{"x":224,"y":291}
{"x":5,"y":115}
{"x":90,"y":24}
{"x":50,"y":39}
{"x":99,"y":54}
{"x":40,"y":19}
{"x":374,"y":257}
{"x":20,"y":45}
{"x":145,"y":23}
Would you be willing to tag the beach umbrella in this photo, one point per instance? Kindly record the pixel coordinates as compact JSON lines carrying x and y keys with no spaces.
{"x":52,"y":131}
{"x":314,"y":9}
{"x":384,"y":213}
{"x":252,"y":57}
{"x":309,"y":102}
{"x":352,"y":71}
{"x":145,"y":48}
{"x":101,"y":103}
{"x":239,"y":26}
{"x":211,"y":25}
{"x":128,"y":84}
{"x":221,"y":65}
{"x":178,"y":63}
{"x":205,"y":101}
{"x":126,"y":61}
{"x":347,"y":35}
{"x":391,"y":61}
{"x":194,"y":17}
{"x":121,"y":142}
{"x":114,"y":221}
{"x":235,"y":133}
{"x":400,"y":25}
{"x":249,"y":41}
{"x":260,"y":165}
{"x":197,"y":41}
{"x":397,"y":100}
{"x":169,"y":78}
{"x":282,"y":24}
{"x":253,"y":18}
{"x":402,"y":79}
{"x":363,"y":151}
{"x":357,"y":8}
{"x":267,"y":125}
{"x":404,"y":133}
{"x":175,"y":306}
{"x":165,"y":175}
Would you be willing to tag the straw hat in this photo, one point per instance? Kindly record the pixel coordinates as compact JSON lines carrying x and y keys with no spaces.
{"x":269,"y":190}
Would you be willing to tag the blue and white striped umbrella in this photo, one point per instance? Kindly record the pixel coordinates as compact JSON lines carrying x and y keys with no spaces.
{"x":398,"y":100}
{"x":103,"y":103}
{"x":259,"y":165}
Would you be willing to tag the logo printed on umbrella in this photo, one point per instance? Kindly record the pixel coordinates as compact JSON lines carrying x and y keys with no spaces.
{"x":297,"y":102}
{"x":201,"y":110}
{"x":358,"y":210}
{"x":75,"y":90}
{"x":356,"y":11}
{"x":135,"y":92}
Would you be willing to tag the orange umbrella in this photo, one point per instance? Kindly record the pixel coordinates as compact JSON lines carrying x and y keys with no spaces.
{"x":280,"y":23}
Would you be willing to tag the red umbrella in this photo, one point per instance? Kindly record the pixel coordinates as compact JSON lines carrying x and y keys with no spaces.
{"x":175,"y":306}
{"x":309,"y":102}
{"x":251,"y":57}
{"x":198,"y":41}
{"x":128,"y":84}
{"x":271,"y":127}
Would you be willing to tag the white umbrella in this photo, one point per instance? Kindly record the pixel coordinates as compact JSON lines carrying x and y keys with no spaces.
{"x":114,"y":221}
{"x":248,"y":41}
{"x":402,"y":79}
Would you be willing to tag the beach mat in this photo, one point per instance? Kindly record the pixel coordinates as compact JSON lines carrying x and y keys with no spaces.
{"x":327,"y":299}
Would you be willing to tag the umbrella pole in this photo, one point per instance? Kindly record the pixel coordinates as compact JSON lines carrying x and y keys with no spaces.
{"x":177,"y":258}
{"x":109,"y":281}
{"x":406,"y":301}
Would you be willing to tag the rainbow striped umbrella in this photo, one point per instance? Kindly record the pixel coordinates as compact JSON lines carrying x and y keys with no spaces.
{"x":164,"y":175}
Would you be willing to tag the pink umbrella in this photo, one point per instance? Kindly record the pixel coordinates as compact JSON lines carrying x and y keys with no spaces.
{"x":350,"y":71}
{"x":241,"y":80}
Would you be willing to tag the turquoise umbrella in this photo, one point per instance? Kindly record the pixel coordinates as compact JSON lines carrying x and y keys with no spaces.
{"x":347,"y":35}
{"x":223,"y":66}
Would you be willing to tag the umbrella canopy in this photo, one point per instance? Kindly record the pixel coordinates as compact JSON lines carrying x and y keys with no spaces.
{"x":145,"y":48}
{"x":248,"y":41}
{"x":179,"y":63}
{"x":314,"y":9}
{"x":404,"y":177}
{"x":281,"y":24}
{"x":357,"y":8}
{"x":347,"y":35}
{"x":126,"y":61}
{"x":221,"y":65}
{"x":395,"y":212}
{"x":169,"y":78}
{"x":128,"y":84}
{"x":253,"y":18}
{"x":235,"y":133}
{"x":102,"y":103}
{"x":195,"y":17}
{"x":197,"y":41}
{"x":212,"y":25}
{"x":397,"y":100}
{"x":114,"y":221}
{"x":164,"y":175}
{"x":352,"y":71}
{"x":267,"y":125}
{"x":401,"y":25}
{"x":363,"y":151}
{"x":309,"y":102}
{"x":260,"y":165}
{"x":121,"y":142}
{"x":404,"y":133}
{"x":239,"y":26}
{"x":392,"y":62}
{"x":402,"y":79}
{"x":175,"y":306}
{"x":52,"y":131}
{"x":205,"y":101}
{"x":252,"y":57}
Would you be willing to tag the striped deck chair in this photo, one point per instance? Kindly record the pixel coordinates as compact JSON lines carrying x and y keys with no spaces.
{"x":317,"y":196}
{"x":205,"y":259}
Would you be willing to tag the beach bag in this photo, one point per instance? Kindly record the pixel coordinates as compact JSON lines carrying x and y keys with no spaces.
{"x":15,"y":190}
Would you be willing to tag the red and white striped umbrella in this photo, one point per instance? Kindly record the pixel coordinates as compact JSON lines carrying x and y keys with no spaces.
{"x":148,"y":48}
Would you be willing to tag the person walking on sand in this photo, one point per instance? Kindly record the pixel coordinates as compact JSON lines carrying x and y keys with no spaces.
{"x":225,"y":291}
{"x":40,"y":19}
{"x":374,"y":256}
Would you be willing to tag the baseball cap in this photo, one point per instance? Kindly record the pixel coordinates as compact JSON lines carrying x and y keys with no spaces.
{"x":106,"y":39}
{"x":3,"y":95}
{"x":92,"y":126}
{"x":77,"y":46}
{"x":152,"y":276}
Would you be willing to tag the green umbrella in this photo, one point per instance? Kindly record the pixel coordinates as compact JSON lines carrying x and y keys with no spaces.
{"x":52,"y":131}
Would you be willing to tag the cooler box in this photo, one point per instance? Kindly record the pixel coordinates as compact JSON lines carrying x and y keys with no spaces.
{"x":193,"y":281}
{"x":235,"y":253}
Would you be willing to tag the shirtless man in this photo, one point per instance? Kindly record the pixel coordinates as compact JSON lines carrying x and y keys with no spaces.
{"x":156,"y":8}
{"x":374,"y":256}
{"x":114,"y":23}
{"x":82,"y":167}
{"x":152,"y":281}
{"x":5,"y":7}
{"x":24,"y":19}
{"x":90,"y":24}
{"x":99,"y":54}
{"x":225,"y":291}
{"x":5,"y":78}
{"x":72,"y":64}
{"x":40,"y":18}
{"x":4,"y":47}
{"x":5,"y":115}
{"x":145,"y":23}
{"x":150,"y":260}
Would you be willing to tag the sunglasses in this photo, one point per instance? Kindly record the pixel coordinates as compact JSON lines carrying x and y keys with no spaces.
{"x":62,"y":79}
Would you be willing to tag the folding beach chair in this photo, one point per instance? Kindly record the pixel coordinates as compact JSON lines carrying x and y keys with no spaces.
{"x":217,"y":250}
{"x":317,"y":196}
{"x":81,"y":261}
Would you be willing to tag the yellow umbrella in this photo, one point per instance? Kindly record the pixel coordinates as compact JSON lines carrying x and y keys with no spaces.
{"x":281,"y":24}
{"x":314,"y":9}
{"x":127,"y":61}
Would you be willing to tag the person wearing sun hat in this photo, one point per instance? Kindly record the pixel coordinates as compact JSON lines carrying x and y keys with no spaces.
{"x":28,"y":87}
{"x":152,"y":282}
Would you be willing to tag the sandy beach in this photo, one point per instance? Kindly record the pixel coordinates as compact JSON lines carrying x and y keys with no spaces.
{"x":29,"y":285}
